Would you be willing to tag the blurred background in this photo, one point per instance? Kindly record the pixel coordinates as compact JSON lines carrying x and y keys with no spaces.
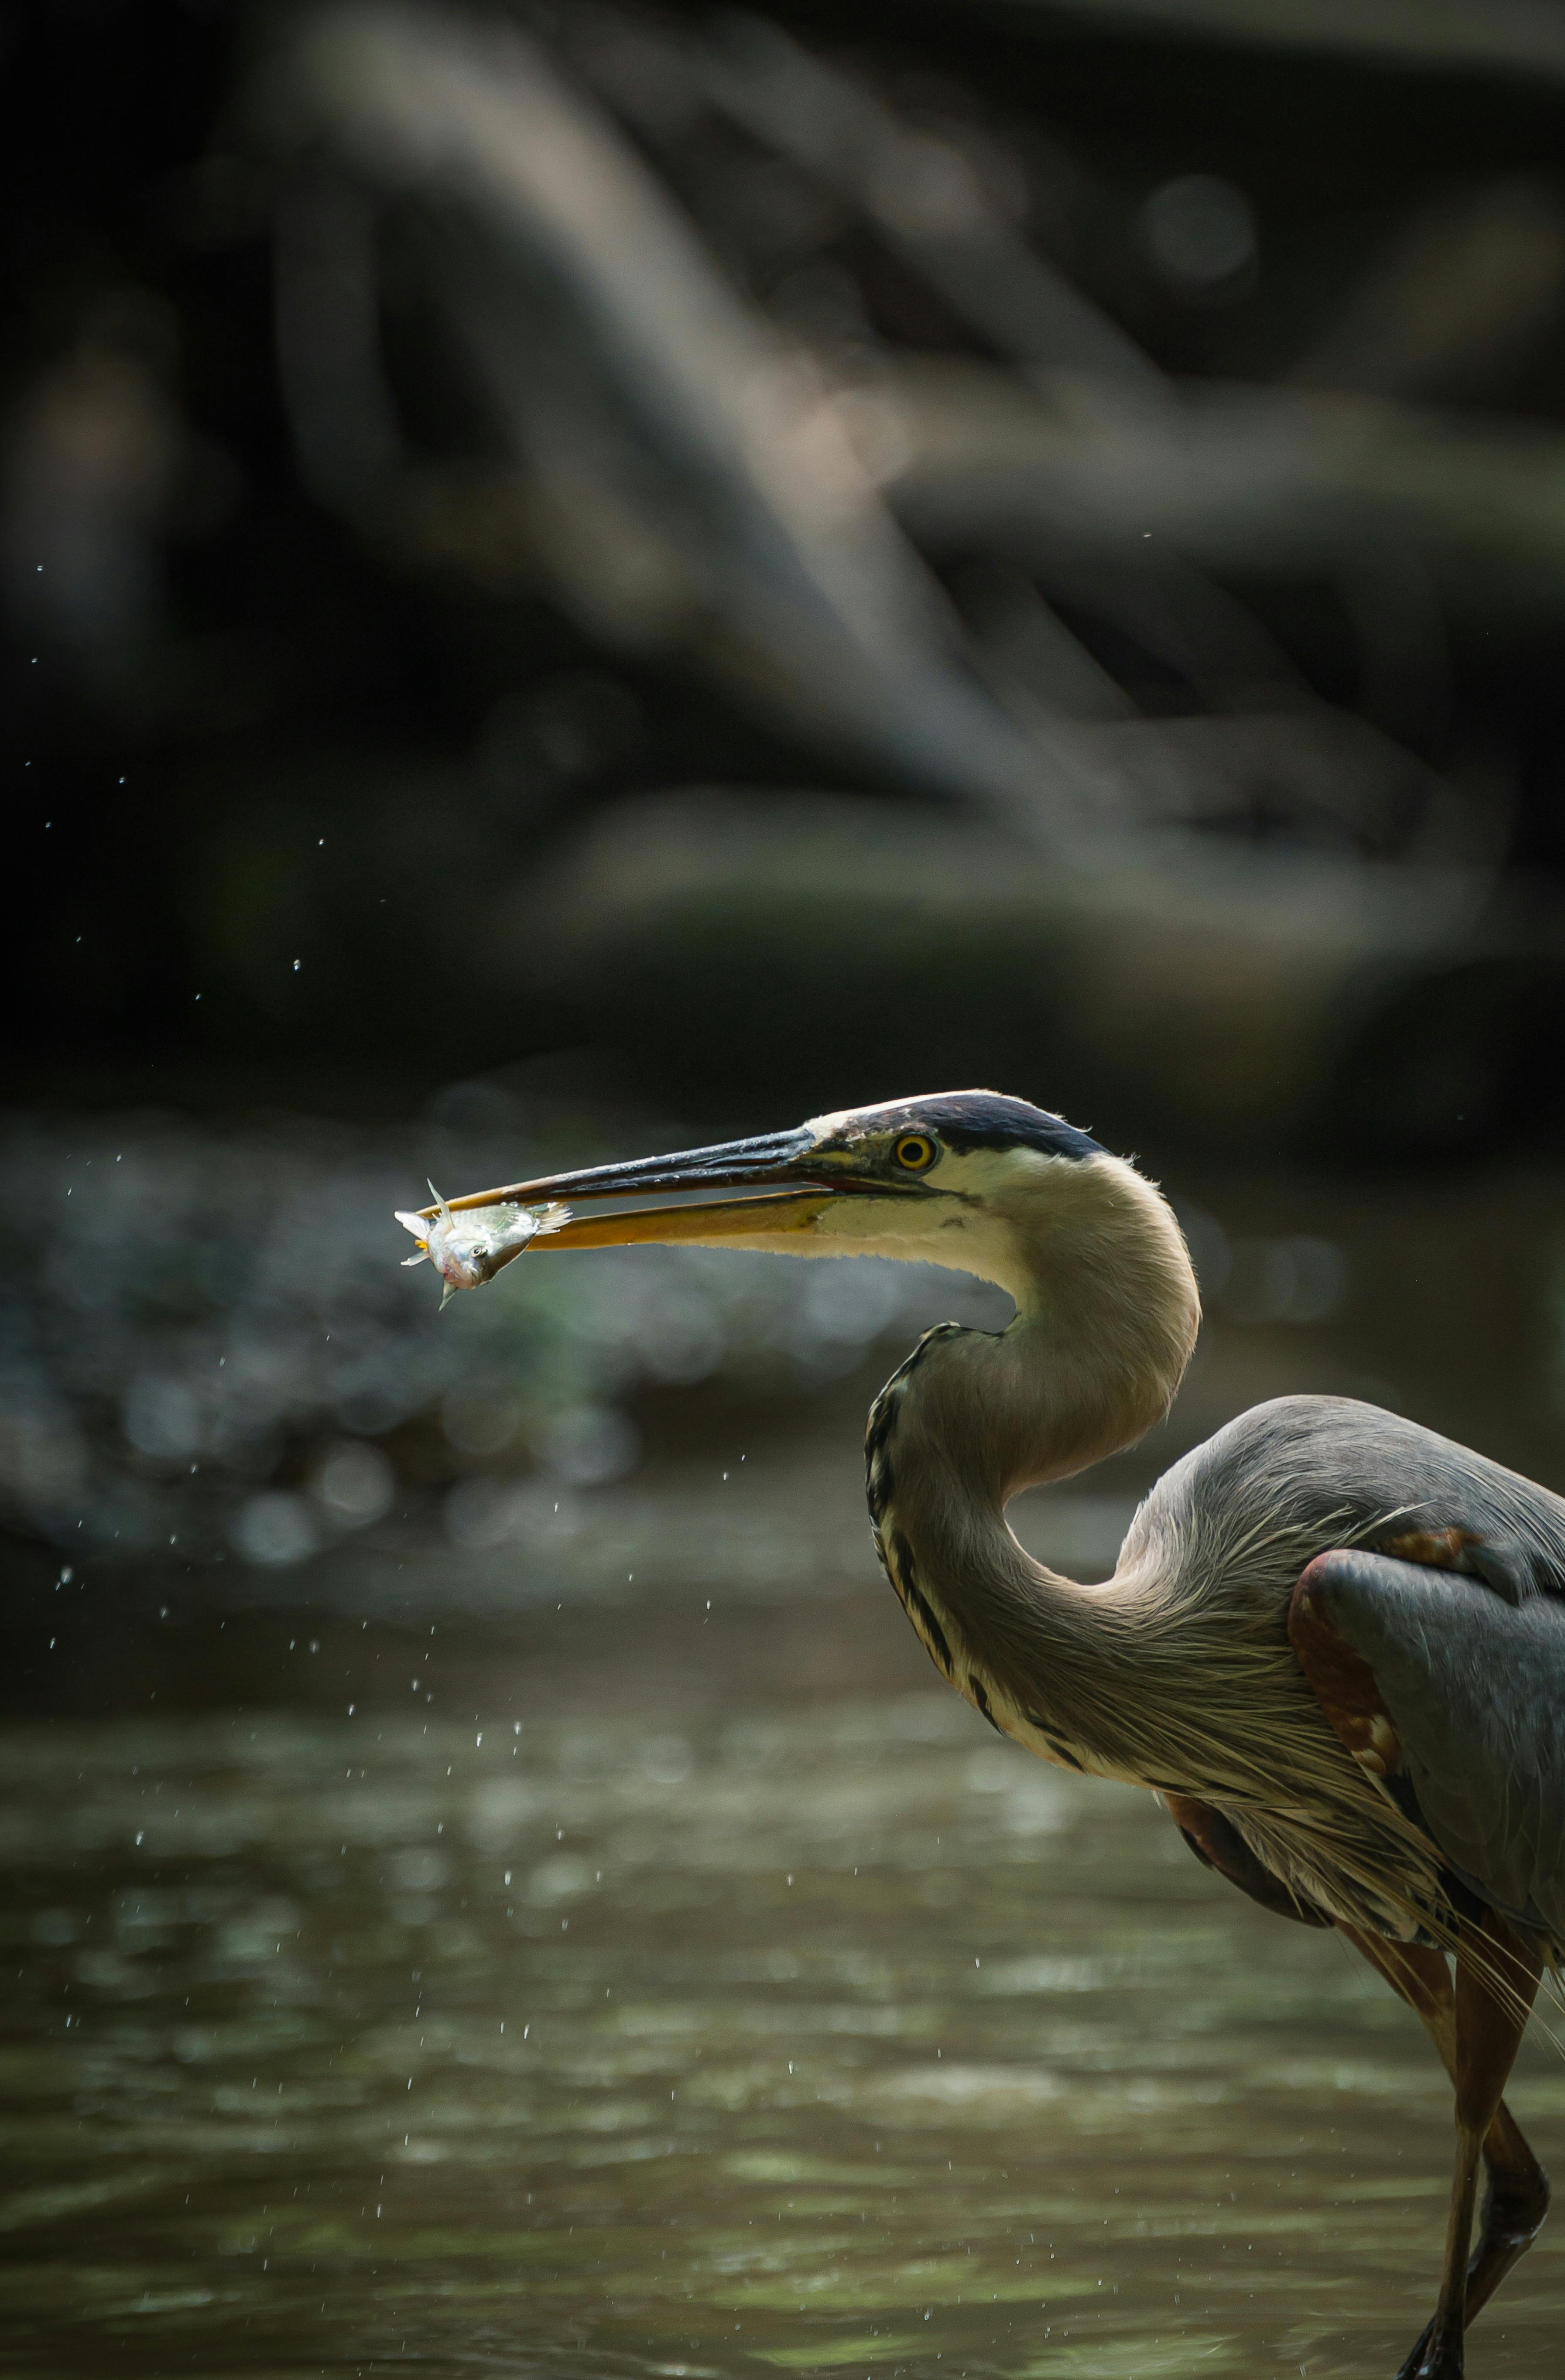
{"x":582,"y":578}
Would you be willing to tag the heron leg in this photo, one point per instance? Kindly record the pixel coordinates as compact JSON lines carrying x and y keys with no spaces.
{"x":1516,"y":2197}
{"x":1497,"y":1979}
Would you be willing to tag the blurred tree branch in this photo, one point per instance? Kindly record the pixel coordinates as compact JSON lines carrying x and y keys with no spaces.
{"x":1519,"y":37}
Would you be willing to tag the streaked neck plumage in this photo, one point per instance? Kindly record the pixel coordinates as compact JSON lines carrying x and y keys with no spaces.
{"x":1107,"y":1315}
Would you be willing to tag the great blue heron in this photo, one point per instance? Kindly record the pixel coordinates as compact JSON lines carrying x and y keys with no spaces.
{"x":1334,"y":1642}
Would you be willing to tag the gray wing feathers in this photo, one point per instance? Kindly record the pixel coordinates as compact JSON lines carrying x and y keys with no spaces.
{"x":1476,"y":1690}
{"x":1286,"y":1480}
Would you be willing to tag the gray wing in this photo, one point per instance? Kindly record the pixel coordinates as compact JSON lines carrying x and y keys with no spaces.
{"x":1327,"y":1471}
{"x":1430,"y":1674}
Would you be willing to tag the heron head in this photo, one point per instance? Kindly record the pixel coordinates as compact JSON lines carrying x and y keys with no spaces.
{"x":970,"y":1180}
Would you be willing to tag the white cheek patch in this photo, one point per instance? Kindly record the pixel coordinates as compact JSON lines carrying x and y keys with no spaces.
{"x":958,"y":1238}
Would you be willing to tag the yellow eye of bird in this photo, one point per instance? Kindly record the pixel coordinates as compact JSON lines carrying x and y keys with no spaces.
{"x":913,"y":1151}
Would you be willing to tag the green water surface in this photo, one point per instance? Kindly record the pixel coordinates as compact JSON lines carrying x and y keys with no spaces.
{"x":831,"y":2039}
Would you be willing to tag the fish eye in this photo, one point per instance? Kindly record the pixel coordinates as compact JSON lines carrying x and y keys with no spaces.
{"x":913,"y":1151}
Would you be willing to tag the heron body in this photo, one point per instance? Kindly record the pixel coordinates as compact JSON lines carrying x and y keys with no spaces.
{"x":1334,"y":1642}
{"x":1182,"y":1672}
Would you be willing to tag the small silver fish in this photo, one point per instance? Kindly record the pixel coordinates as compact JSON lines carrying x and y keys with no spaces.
{"x":467,"y":1248}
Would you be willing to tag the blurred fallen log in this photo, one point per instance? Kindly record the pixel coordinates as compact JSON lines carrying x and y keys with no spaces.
{"x":1249,"y":481}
{"x":1298,"y":1001}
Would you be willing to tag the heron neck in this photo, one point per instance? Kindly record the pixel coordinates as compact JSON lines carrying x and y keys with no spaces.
{"x":971,"y":1419}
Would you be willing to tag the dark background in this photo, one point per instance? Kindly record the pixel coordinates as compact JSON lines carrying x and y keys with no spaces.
{"x":242,"y":728}
{"x":447,"y":733}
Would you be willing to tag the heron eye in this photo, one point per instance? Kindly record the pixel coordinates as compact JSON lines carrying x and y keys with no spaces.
{"x":913,"y":1151}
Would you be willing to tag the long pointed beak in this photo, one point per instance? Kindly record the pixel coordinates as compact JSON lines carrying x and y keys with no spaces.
{"x":737,"y":1189}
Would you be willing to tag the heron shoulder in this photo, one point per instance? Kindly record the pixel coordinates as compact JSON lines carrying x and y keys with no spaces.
{"x":1288,"y":1478}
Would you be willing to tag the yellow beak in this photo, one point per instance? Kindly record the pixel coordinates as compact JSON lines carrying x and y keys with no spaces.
{"x":695,"y":1220}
